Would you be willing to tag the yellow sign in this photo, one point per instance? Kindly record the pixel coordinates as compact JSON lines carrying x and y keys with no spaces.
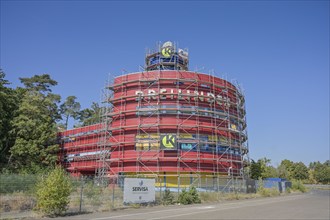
{"x":167,"y":51}
{"x":168,"y":141}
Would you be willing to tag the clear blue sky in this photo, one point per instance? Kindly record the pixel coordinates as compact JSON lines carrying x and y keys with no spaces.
{"x":278,"y":50}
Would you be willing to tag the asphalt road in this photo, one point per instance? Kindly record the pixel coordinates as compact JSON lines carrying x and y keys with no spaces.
{"x":312,"y":205}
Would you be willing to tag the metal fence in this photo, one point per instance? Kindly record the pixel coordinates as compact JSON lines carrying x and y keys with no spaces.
{"x":18,"y":192}
{"x":89,"y":195}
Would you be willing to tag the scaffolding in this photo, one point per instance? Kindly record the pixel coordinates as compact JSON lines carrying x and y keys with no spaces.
{"x":79,"y":150}
{"x":181,"y":127}
{"x":149,"y":158}
{"x":166,"y":104}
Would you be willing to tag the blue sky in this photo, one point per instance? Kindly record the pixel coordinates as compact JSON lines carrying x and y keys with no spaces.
{"x":278,"y":51}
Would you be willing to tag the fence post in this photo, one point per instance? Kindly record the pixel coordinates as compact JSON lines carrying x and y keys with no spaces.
{"x":113,"y":192}
{"x":179,"y":183}
{"x":81,"y":192}
{"x":160,"y":189}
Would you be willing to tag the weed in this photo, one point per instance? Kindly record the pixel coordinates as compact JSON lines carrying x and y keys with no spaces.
{"x":189,"y":197}
{"x":168,"y":198}
{"x":297,"y":185}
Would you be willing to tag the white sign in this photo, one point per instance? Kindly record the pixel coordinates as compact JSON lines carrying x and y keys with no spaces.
{"x":137,"y":190}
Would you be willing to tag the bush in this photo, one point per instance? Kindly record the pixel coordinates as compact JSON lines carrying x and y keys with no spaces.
{"x":288,"y":190}
{"x":194,"y":194}
{"x":53,"y":192}
{"x":266,"y":192}
{"x":189,"y":197}
{"x":184,"y":197}
{"x":168,"y":198}
{"x":297,"y":185}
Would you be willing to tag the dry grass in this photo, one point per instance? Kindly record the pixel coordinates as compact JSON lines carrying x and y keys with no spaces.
{"x":268,"y":192}
{"x":17,"y":201}
{"x":96,"y":199}
{"x":208,"y":197}
{"x":215,"y":197}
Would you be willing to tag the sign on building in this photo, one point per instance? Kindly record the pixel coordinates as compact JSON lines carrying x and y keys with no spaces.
{"x":138,"y":190}
{"x":168,"y":142}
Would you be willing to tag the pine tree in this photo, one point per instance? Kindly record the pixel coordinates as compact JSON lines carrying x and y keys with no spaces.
{"x":34,"y":126}
{"x":9,"y":101}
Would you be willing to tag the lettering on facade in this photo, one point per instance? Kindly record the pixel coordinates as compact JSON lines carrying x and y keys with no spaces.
{"x":187,"y":95}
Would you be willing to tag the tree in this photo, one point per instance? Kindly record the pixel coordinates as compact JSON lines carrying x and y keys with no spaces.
{"x":255,"y":170}
{"x":91,"y":115}
{"x":70,"y":108}
{"x":290,"y":170}
{"x":39,"y":83}
{"x":34,"y":126}
{"x":327,"y":162}
{"x":9,"y":101}
{"x":312,"y":165}
{"x":262,"y":169}
{"x":311,"y":176}
{"x":270,"y":171}
{"x":53,"y":192}
{"x":286,"y":169}
{"x":299,"y":171}
{"x":322,"y":172}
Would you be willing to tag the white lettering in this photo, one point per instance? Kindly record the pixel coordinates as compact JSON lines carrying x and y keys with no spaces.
{"x":196,"y":94}
{"x":180,"y":94}
{"x":139,"y":95}
{"x":172,"y":92}
{"x":201,"y":97}
{"x":212,"y":97}
{"x":152,"y":94}
{"x":162,"y":91}
{"x":185,"y":94}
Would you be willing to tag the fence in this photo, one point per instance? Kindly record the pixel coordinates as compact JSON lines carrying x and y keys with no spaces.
{"x":18,"y":192}
{"x":91,"y":196}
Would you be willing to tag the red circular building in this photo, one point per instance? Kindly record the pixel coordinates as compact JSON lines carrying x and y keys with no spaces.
{"x":171,"y":123}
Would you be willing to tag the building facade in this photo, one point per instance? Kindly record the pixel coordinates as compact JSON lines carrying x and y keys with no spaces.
{"x":167,"y":122}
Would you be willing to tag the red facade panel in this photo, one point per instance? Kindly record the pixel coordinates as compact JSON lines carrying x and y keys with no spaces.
{"x":199,"y":117}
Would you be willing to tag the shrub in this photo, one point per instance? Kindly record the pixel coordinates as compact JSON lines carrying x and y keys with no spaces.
{"x":194,"y":194}
{"x":266,"y":192}
{"x":189,"y":197}
{"x":184,"y":198}
{"x":288,"y":190}
{"x":297,"y":185}
{"x":53,"y":192}
{"x":168,"y":198}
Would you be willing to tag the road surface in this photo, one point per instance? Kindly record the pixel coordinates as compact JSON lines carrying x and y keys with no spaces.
{"x":312,"y":205}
